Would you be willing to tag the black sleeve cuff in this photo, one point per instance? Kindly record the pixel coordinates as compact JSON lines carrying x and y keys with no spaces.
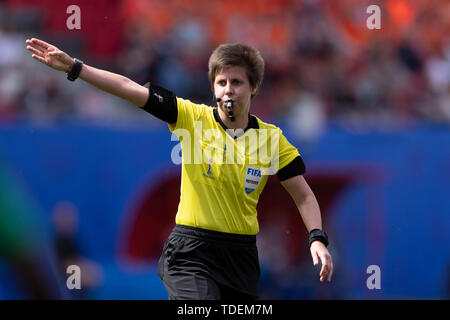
{"x":161,"y":103}
{"x":318,"y":235}
{"x":295,"y":168}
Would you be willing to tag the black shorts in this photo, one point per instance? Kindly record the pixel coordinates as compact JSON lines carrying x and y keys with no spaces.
{"x":199,"y":264}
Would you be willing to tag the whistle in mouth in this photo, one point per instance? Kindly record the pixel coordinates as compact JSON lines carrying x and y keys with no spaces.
{"x":229,"y":106}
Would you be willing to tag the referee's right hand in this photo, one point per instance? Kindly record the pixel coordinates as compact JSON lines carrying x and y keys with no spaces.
{"x":49,"y":55}
{"x":109,"y":82}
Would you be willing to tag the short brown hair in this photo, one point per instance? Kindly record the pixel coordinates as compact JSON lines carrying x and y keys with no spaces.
{"x":237,"y":55}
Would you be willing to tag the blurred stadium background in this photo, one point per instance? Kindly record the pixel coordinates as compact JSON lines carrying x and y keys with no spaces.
{"x":87,"y":179}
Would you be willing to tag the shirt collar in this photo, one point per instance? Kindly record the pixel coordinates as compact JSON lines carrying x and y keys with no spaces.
{"x":252,"y":121}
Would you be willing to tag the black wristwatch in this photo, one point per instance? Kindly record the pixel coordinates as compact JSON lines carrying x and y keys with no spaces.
{"x":73,"y":74}
{"x":318,"y":235}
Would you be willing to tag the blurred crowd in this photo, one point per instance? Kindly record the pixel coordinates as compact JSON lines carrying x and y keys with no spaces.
{"x":322,"y":62}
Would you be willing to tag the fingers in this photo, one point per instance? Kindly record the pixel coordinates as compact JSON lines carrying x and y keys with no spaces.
{"x":327,"y":267}
{"x":44,"y":45}
{"x":315,"y":259}
{"x":35,"y":51}
{"x":323,"y":272}
{"x":319,"y":252}
{"x":40,"y":45}
{"x":38,"y":58}
{"x":330,"y":273}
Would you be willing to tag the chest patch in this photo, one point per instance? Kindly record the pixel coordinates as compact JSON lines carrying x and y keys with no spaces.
{"x":253,"y":177}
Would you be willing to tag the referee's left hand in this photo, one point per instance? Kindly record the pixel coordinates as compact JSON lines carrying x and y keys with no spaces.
{"x":319,"y":251}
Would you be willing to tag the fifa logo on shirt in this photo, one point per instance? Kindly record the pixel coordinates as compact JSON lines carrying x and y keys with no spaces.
{"x":252,"y":178}
{"x":254,"y":172}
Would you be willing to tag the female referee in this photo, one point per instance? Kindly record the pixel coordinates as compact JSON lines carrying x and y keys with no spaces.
{"x":211,"y":252}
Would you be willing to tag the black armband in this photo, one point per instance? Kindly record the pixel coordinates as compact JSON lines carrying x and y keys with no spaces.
{"x":295,"y":168}
{"x":161,"y":103}
{"x":318,"y":235}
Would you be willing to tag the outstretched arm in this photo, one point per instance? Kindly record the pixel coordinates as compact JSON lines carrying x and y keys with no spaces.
{"x":113,"y":83}
{"x":309,"y":209}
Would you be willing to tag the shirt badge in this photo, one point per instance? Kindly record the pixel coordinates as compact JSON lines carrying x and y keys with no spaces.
{"x":253,"y":177}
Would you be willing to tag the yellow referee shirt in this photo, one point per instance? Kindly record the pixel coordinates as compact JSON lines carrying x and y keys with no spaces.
{"x":225,"y":171}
